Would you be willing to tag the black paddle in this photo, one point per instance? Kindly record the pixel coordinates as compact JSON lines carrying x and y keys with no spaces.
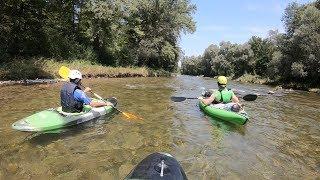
{"x":180,"y":99}
{"x":248,"y":97}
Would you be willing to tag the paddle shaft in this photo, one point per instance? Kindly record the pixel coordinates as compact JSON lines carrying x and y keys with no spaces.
{"x":192,"y":98}
{"x":248,"y":97}
{"x":99,"y":97}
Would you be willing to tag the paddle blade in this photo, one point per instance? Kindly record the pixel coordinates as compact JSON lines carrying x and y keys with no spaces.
{"x":64,"y":72}
{"x":131,"y":116}
{"x":177,"y":99}
{"x":250,"y":97}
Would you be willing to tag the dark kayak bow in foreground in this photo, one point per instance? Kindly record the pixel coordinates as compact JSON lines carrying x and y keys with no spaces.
{"x":158,"y":166}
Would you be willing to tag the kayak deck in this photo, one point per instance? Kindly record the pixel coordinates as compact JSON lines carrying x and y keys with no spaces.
{"x":54,"y":118}
{"x":158,"y":166}
{"x":233,"y":117}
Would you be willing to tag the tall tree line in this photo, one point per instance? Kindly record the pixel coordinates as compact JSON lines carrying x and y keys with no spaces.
{"x":112,"y":32}
{"x":290,"y":57}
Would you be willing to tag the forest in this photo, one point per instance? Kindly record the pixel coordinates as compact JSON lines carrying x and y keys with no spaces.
{"x":139,"y":33}
{"x":292,"y":57}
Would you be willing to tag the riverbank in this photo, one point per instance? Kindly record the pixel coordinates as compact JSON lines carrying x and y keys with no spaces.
{"x":38,"y":70}
{"x":248,"y":78}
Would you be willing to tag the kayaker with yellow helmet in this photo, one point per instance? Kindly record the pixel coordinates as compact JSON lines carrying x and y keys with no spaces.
{"x":222,"y":95}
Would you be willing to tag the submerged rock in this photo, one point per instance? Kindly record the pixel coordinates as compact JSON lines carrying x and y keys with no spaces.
{"x":314,"y":90}
{"x":29,"y":82}
{"x":270,"y":92}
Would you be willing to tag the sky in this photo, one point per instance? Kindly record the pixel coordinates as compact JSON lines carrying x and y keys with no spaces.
{"x":233,"y":20}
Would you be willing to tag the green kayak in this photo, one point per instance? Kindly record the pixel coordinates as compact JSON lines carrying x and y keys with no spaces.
{"x":236,"y":118}
{"x":55,"y":118}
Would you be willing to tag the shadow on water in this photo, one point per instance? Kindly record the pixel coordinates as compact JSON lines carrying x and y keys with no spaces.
{"x":47,"y":137}
{"x":227,"y":126}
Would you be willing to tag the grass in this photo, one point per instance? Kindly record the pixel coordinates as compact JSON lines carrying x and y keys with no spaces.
{"x":252,"y":79}
{"x":43,"y":68}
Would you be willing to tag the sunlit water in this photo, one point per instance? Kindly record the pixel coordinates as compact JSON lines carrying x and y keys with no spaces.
{"x":281,"y":140}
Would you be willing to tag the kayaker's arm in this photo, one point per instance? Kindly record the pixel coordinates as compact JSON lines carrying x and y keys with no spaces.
{"x":235,"y":99}
{"x":82,"y":97}
{"x":208,"y":100}
{"x":99,"y":104}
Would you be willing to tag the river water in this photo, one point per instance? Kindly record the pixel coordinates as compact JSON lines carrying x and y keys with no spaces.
{"x":280,"y":141}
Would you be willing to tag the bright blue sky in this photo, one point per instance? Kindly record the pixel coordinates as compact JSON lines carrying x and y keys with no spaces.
{"x":233,"y":20}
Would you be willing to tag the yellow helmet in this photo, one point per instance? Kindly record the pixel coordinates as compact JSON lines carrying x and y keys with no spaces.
{"x":222,"y":80}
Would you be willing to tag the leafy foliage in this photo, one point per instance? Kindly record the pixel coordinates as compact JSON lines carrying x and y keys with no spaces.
{"x":112,"y":32}
{"x":292,"y":57}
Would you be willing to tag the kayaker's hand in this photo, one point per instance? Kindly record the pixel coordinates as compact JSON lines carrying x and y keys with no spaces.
{"x":87,"y":89}
{"x":200,"y":98}
{"x":109,"y":103}
{"x":240,"y":105}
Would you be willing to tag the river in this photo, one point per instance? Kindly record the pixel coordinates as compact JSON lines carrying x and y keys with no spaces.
{"x":280,"y":141}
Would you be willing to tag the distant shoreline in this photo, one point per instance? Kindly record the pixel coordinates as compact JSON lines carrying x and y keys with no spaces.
{"x":29,"y":82}
{"x":44,"y":71}
{"x":247,"y":78}
{"x":53,"y":81}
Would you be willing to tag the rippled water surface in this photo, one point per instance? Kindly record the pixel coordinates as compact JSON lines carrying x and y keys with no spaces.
{"x":281,"y":140}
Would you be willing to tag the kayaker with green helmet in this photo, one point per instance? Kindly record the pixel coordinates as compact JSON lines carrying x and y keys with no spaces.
{"x":222,"y":95}
{"x":73,"y":97}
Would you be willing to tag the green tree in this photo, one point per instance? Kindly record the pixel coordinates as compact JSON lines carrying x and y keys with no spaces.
{"x":208,"y":59}
{"x":117,"y":32}
{"x":61,"y":31}
{"x":156,"y":26}
{"x":300,"y":45}
{"x":21,"y":29}
{"x":191,"y":65}
{"x":221,"y":66}
{"x":242,"y":59}
{"x":262,"y":54}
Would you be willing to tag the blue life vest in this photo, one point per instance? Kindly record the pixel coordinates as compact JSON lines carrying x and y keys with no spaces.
{"x":68,"y":103}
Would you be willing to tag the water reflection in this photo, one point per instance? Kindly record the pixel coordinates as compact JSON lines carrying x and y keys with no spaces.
{"x":226,"y":127}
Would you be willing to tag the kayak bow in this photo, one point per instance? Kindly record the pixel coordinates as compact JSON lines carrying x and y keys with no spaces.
{"x":158,"y":166}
